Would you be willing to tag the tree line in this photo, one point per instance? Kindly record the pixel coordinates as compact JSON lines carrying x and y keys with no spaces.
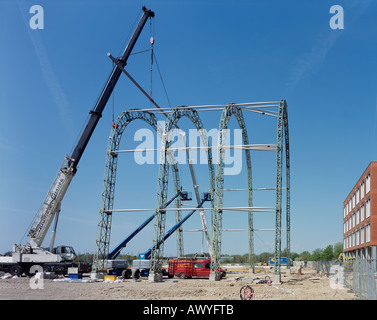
{"x":331,"y":252}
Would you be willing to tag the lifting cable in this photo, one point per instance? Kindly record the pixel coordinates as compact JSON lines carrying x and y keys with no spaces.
{"x":151,"y":40}
{"x":114,"y":124}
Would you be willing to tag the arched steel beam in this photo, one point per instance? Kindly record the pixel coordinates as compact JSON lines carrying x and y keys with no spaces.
{"x":227,"y":112}
{"x":160,"y":219}
{"x":282,"y":130}
{"x":105,"y":219}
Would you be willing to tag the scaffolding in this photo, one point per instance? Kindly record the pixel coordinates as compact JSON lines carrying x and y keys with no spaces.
{"x":276,"y":109}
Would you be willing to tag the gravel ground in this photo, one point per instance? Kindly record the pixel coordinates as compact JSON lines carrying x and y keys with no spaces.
{"x":308,"y":286}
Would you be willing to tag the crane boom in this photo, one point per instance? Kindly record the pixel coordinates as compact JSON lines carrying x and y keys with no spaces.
{"x":55,"y":195}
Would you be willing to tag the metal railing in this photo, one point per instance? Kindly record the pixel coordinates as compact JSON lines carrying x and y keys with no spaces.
{"x":358,"y":275}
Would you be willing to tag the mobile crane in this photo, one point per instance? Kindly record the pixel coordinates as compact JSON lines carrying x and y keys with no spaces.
{"x":24,"y":257}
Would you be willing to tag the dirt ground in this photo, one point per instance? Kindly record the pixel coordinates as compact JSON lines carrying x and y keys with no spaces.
{"x":307,"y":286}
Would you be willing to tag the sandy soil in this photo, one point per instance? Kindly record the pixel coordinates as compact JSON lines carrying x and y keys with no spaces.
{"x":307,"y":286}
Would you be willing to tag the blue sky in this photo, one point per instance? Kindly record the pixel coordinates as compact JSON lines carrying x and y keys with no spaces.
{"x":209,"y":52}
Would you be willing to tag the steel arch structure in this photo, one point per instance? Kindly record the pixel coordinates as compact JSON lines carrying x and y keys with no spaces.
{"x":282,"y":133}
{"x":216,"y":180}
{"x":105,"y":214}
{"x":227,"y":113}
{"x":162,"y":185}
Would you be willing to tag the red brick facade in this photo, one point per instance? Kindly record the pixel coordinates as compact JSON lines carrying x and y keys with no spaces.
{"x":360,"y":216}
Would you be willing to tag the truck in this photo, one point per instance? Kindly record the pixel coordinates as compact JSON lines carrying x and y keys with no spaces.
{"x":32,"y":257}
{"x":191,"y":267}
{"x":36,"y":259}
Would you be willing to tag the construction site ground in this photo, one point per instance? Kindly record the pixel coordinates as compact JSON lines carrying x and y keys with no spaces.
{"x":309,"y":285}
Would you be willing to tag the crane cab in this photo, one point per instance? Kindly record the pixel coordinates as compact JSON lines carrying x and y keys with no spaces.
{"x":66,"y":252}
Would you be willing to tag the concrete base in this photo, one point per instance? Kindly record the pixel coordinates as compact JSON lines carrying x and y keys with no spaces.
{"x":155,"y":277}
{"x":97,"y":275}
{"x":214,"y":277}
{"x":288,"y":271}
{"x":276,"y":279}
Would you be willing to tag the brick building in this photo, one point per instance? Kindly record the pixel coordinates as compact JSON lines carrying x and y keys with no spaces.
{"x":360,"y":217}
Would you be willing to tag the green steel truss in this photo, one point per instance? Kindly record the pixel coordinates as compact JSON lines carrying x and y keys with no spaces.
{"x":105,"y":215}
{"x":282,"y":133}
{"x":227,"y":112}
{"x":216,"y":184}
{"x":162,"y":185}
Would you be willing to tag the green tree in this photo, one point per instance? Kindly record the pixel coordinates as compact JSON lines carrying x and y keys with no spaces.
{"x":328,"y":253}
{"x":264,"y":256}
{"x":294,"y":255}
{"x":304,"y":256}
{"x":316,"y":255}
{"x":338,"y":249}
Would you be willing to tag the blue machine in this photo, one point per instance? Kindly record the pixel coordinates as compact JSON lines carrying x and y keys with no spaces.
{"x":147,"y":254}
{"x":283,"y":261}
{"x":184,"y":196}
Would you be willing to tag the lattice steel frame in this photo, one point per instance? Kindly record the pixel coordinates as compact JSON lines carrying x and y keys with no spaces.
{"x":216,"y":184}
{"x":162,"y":184}
{"x":227,"y":112}
{"x":282,"y":132}
{"x":105,"y":218}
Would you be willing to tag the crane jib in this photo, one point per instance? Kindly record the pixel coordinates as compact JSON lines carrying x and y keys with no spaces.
{"x":96,"y":113}
{"x":52,"y":202}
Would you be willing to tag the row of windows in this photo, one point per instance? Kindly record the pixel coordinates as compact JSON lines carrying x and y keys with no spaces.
{"x":362,"y":190}
{"x":358,"y":237}
{"x":357,"y":216}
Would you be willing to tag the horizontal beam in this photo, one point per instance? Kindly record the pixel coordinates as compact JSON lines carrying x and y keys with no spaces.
{"x":231,"y":230}
{"x":251,"y":189}
{"x":250,"y":105}
{"x":257,"y":147}
{"x":254,"y":209}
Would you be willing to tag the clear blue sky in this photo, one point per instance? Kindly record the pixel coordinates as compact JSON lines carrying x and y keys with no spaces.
{"x":209,"y":52}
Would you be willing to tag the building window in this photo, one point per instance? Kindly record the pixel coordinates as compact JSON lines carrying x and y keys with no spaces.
{"x":367,"y":233}
{"x":367,"y":209}
{"x":362,"y":213}
{"x":362,"y":190}
{"x":357,"y":238}
{"x":357,"y":216}
{"x":357,"y":196}
{"x":362,"y":235}
{"x":353,"y":220}
{"x":367,"y":184}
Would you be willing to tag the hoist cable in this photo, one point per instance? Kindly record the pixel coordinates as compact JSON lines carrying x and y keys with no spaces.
{"x":162,"y":80}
